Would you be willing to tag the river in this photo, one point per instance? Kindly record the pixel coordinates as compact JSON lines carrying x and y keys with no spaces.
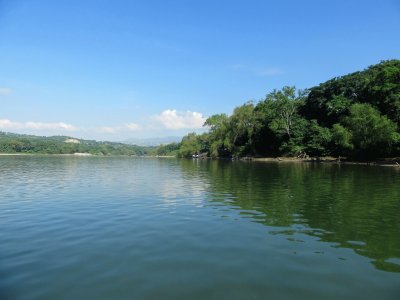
{"x":148,"y":228}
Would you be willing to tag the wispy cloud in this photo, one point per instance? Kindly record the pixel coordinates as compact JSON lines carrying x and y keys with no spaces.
{"x":133,"y":127}
{"x":115,"y":129}
{"x":11,"y":125}
{"x":169,"y":119}
{"x":106,"y":129}
{"x":172,"y":119}
{"x":4,"y":91}
{"x":50,"y":126}
{"x":237,"y":67}
{"x":256,"y":71}
{"x":270,"y":72}
{"x":7,"y":124}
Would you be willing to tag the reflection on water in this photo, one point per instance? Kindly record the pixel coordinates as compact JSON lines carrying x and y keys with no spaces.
{"x":128,"y":228}
{"x":355,"y":207}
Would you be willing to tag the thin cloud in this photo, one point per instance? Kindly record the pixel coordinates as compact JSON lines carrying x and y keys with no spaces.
{"x":11,"y":125}
{"x":115,"y":129}
{"x":5,"y":91}
{"x":257,"y":71}
{"x":133,"y":127}
{"x":108,"y":129}
{"x":172,"y":119}
{"x":7,"y":124}
{"x":270,"y":72}
{"x":49,"y":126}
{"x":237,"y":67}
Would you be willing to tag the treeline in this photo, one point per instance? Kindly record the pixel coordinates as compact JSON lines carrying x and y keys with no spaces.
{"x":356,"y":116}
{"x":18,"y":143}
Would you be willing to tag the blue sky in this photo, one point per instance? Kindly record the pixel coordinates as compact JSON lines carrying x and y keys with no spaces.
{"x":112,"y":70}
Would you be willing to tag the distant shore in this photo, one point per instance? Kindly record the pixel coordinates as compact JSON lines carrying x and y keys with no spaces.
{"x":30,"y":154}
{"x":49,"y":154}
{"x":384,"y":162}
{"x":83,"y":155}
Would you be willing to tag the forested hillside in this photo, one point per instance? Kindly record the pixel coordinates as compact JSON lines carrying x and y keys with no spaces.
{"x":356,"y":115}
{"x":17,"y":143}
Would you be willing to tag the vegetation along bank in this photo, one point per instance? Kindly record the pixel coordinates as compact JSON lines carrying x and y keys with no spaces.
{"x":355,"y":116}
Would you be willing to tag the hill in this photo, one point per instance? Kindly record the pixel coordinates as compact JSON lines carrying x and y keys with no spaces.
{"x":20,"y":143}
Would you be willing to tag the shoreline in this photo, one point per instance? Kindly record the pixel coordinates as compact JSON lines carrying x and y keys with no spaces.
{"x":383,"y":162}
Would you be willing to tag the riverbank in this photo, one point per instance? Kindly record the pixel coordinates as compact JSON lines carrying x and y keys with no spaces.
{"x":384,"y":162}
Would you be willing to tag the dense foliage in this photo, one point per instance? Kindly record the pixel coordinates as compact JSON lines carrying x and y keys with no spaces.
{"x":17,"y":143}
{"x":166,"y":150}
{"x":357,"y":115}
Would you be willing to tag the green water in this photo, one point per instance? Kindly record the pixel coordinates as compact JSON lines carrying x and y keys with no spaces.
{"x":130,"y":228}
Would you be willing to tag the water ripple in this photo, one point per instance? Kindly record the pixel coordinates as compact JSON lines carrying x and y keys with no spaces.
{"x":108,"y":227}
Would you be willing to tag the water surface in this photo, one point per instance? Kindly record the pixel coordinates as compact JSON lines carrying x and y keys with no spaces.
{"x":131,"y":228}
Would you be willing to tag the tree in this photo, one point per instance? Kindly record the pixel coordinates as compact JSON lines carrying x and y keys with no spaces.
{"x":219,"y":135}
{"x":371,"y":133}
{"x":194,"y":144}
{"x":317,"y":139}
{"x":285,"y":104}
{"x":279,"y":116}
{"x":243,"y":125}
{"x":167,"y":149}
{"x":336,"y":108}
{"x":189,"y":145}
{"x":383,"y":90}
{"x":378,"y":85}
{"x":342,"y":140}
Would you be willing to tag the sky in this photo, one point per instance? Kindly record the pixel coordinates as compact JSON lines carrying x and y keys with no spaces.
{"x":114,"y":70}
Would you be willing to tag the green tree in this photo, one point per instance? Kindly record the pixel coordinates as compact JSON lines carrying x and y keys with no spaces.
{"x":317,"y":139}
{"x":285,"y":104}
{"x":168,"y":149}
{"x":243,"y":125}
{"x":281,"y":121}
{"x":372,"y":134}
{"x":192,"y":144}
{"x":378,"y":85}
{"x":342,"y":140}
{"x":219,"y":135}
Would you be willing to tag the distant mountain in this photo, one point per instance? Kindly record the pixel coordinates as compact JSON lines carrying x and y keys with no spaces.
{"x":22,"y":143}
{"x":147,"y":142}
